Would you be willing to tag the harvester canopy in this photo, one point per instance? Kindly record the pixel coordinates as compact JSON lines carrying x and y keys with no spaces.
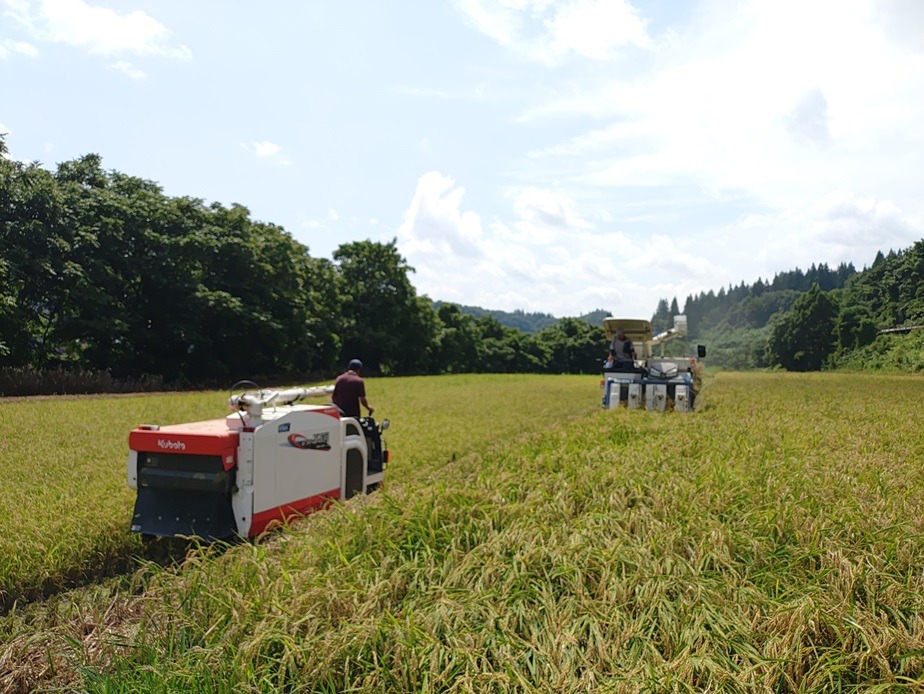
{"x":636,"y":329}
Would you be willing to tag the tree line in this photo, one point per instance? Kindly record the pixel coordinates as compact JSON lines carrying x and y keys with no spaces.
{"x":810,"y":320}
{"x":102,"y":271}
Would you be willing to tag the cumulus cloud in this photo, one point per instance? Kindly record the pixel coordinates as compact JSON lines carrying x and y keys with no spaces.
{"x":841,"y":227}
{"x":596,"y":29}
{"x":265,"y":148}
{"x":129,"y":69}
{"x":547,"y":31}
{"x":98,"y":29}
{"x":775,"y":100}
{"x":434,"y":224}
{"x":269,"y":152}
{"x":542,"y":256}
{"x":568,"y":266}
{"x":543,"y":217}
{"x":8,"y":47}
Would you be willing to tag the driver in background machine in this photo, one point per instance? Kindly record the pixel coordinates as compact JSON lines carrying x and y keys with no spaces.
{"x":622,"y":352}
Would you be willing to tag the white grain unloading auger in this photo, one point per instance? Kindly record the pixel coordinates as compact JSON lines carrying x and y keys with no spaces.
{"x":653,"y":382}
{"x":273,"y":459}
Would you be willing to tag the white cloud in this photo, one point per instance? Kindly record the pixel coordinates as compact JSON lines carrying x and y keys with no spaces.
{"x":332,"y":215}
{"x":129,"y":69}
{"x":841,"y":227}
{"x":265,"y":148}
{"x":548,"y":31}
{"x":545,"y":208}
{"x":777,"y":100}
{"x":8,"y":46}
{"x":545,"y":258}
{"x":434,"y":224}
{"x":98,"y":29}
{"x":269,"y":151}
{"x":596,"y":29}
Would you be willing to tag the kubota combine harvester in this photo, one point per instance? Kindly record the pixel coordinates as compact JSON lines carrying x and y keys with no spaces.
{"x":654,"y":382}
{"x":272,"y":459}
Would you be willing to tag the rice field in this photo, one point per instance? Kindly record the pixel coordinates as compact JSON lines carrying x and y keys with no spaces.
{"x":65,"y":505}
{"x":769,"y":542}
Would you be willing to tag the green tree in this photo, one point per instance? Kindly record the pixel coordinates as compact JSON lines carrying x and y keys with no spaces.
{"x":804,"y":337}
{"x":36,"y":265}
{"x":264,"y":305}
{"x":661,"y":320}
{"x":573,"y":346}
{"x":456,"y":343}
{"x":101,"y":270}
{"x":854,"y":328}
{"x":383,"y":322}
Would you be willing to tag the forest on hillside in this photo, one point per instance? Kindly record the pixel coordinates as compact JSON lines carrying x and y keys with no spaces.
{"x":104,"y":276}
{"x":822,"y":318}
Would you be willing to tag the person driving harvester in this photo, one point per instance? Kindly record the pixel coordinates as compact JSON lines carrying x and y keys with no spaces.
{"x":350,"y":391}
{"x":622,"y":353}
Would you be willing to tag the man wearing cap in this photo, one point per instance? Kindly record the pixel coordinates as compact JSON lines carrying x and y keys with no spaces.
{"x":350,"y":390}
{"x":622,"y":352}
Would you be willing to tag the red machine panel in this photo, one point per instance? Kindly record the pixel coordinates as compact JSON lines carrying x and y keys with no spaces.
{"x":211,"y":437}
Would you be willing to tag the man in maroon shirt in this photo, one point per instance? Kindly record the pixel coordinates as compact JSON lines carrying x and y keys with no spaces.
{"x":350,"y":390}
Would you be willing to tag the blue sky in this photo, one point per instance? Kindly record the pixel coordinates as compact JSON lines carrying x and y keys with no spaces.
{"x":546,"y":155}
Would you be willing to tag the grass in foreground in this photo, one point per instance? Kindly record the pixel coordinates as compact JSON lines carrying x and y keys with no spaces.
{"x":770,"y":542}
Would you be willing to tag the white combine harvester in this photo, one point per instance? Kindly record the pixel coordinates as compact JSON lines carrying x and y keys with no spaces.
{"x":655,"y":382}
{"x":272,"y":459}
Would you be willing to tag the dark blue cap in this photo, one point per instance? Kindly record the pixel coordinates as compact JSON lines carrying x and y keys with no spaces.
{"x":355,"y":365}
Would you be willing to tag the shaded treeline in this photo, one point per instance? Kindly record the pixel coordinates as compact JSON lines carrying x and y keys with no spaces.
{"x":101,"y":273}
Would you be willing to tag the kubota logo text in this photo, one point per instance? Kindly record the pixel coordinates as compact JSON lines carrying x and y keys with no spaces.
{"x":171,"y":445}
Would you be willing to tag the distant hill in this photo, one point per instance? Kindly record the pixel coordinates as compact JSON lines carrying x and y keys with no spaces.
{"x":521,"y":320}
{"x":524,"y":321}
{"x":596,"y":317}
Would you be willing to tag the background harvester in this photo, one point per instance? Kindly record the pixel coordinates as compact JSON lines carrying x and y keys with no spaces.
{"x":272,"y":459}
{"x":654,"y":381}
